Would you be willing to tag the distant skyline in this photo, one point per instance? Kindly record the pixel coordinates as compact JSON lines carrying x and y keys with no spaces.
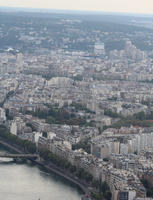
{"x":125,"y":6}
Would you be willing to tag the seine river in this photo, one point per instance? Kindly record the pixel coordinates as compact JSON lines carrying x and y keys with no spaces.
{"x":28,"y":182}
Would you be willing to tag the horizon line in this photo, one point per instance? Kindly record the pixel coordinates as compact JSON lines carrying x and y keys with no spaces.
{"x":69,"y":11}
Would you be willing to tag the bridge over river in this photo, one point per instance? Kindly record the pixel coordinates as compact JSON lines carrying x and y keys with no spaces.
{"x":15,"y":156}
{"x":50,"y":167}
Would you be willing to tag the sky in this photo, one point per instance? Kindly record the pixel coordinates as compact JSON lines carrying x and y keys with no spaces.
{"x":128,"y":6}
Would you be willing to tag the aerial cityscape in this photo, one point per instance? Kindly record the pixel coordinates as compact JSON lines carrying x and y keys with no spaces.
{"x":76,"y":98}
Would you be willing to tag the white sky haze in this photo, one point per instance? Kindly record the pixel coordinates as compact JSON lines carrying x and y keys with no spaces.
{"x":131,"y":6}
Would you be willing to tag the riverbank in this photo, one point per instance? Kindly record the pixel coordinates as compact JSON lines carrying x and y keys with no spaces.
{"x":27,"y":181}
{"x":50,"y":167}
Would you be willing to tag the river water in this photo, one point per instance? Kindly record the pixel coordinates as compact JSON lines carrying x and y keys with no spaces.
{"x":29,"y":182}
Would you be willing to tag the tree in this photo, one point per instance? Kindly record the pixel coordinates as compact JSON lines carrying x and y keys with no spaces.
{"x":141,"y":115}
{"x":8,"y":116}
{"x":104,"y":187}
{"x":108,"y":195}
{"x":145,"y":183}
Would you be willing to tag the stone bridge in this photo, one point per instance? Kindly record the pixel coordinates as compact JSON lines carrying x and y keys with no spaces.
{"x":8,"y":155}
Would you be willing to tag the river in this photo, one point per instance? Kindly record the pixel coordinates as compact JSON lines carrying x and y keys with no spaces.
{"x":21,"y":181}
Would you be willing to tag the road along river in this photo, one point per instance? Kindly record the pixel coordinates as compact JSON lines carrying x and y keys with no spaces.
{"x":21,"y":181}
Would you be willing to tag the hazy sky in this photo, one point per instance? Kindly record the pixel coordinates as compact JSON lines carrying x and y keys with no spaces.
{"x":134,"y":6}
